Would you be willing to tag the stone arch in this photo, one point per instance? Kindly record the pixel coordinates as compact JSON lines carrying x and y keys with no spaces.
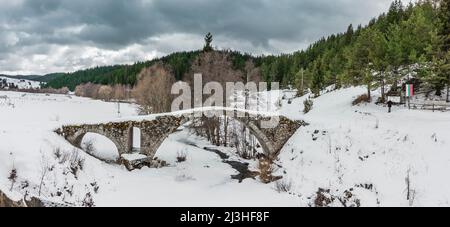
{"x":264,"y":141}
{"x":77,"y":138}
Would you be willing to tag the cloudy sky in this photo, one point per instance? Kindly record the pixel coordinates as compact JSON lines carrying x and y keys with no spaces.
{"x":43,"y":36}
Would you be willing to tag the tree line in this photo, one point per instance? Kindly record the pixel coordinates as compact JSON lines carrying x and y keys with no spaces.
{"x":179,"y":62}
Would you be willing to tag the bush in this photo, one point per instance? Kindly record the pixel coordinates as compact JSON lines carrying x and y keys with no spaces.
{"x":12,"y":177}
{"x":265,"y":167}
{"x":76,"y":163}
{"x":360,"y":99}
{"x":308,"y":103}
{"x":103,"y":92}
{"x":60,"y":91}
{"x":283,"y":186}
{"x":181,"y":157}
{"x":88,"y":147}
{"x":88,"y":201}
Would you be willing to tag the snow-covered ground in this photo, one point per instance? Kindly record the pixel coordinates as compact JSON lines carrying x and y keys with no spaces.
{"x":358,"y":149}
{"x":28,"y":144}
{"x":21,"y":84}
{"x":370,"y":152}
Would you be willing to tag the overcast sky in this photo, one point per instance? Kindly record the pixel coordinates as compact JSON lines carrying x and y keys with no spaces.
{"x":43,"y":36}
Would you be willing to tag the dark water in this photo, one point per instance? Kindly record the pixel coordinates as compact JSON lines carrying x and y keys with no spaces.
{"x":241,"y":167}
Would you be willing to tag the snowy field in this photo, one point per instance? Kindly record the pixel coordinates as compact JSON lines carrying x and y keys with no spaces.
{"x":397,"y":159}
{"x":369,"y":152}
{"x":21,"y":84}
{"x":27,"y":144}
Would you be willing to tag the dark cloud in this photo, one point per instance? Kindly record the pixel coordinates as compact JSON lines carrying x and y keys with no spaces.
{"x":30,"y":29}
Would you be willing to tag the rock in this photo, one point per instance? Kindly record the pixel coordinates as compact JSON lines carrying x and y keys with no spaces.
{"x":7,"y":202}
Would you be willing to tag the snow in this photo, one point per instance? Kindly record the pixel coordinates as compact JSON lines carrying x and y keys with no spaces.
{"x":133,"y":156}
{"x":366,"y":145}
{"x":28,"y":143}
{"x":101,"y":147}
{"x":362,"y":149}
{"x":22,"y":84}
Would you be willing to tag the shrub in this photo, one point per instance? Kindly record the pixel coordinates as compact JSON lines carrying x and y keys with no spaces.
{"x":308,"y":103}
{"x":283,"y":186}
{"x":63,"y":157}
{"x":266,"y":170}
{"x":181,"y":156}
{"x":88,"y":201}
{"x":76,"y":163}
{"x":323,"y":198}
{"x":360,"y":99}
{"x":57,"y":152}
{"x":12,"y":177}
{"x":89,"y":147}
{"x":95,"y":186}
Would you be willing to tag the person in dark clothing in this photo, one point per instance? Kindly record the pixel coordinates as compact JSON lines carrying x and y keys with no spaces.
{"x":389,"y":103}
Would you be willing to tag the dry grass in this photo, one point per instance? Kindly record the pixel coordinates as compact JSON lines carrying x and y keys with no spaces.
{"x":360,"y":99}
{"x":308,"y":105}
{"x":283,"y":186}
{"x":266,"y":169}
{"x":181,"y":156}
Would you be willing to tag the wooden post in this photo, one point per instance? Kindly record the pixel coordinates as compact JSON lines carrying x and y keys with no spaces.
{"x":118,"y":108}
{"x":409,"y":103}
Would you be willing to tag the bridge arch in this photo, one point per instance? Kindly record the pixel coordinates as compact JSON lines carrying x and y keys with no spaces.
{"x":74,"y":135}
{"x":100,"y":147}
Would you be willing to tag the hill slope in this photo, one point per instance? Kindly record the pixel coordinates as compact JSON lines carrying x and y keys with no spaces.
{"x":365,"y":152}
{"x":6,"y":82}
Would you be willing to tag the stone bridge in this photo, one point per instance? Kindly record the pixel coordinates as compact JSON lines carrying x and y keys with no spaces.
{"x":155,"y":131}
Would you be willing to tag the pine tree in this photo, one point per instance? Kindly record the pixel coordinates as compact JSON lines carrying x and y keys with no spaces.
{"x":358,"y":61}
{"x":395,"y":13}
{"x":378,"y":58}
{"x":444,"y":47}
{"x":301,"y":81}
{"x":349,"y":35}
{"x":317,"y":82}
{"x":208,"y":41}
{"x":438,"y":74}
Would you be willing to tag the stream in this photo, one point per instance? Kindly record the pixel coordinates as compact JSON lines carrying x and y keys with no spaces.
{"x":241,"y":167}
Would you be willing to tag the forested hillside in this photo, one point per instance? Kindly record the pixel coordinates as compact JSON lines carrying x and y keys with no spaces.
{"x":405,"y":35}
{"x":401,"y":37}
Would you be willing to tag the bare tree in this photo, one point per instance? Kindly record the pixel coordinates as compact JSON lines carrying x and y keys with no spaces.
{"x":153,"y":90}
{"x":410,"y":193}
{"x":12,"y":177}
{"x":44,"y":171}
{"x":121,"y":92}
{"x":79,"y":90}
{"x":87,"y":90}
{"x":105,"y":92}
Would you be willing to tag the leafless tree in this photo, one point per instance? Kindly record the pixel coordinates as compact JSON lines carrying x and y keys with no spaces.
{"x":12,"y":177}
{"x":153,"y":90}
{"x":45,"y":166}
{"x":121,"y":92}
{"x":105,"y":92}
{"x":410,"y":193}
